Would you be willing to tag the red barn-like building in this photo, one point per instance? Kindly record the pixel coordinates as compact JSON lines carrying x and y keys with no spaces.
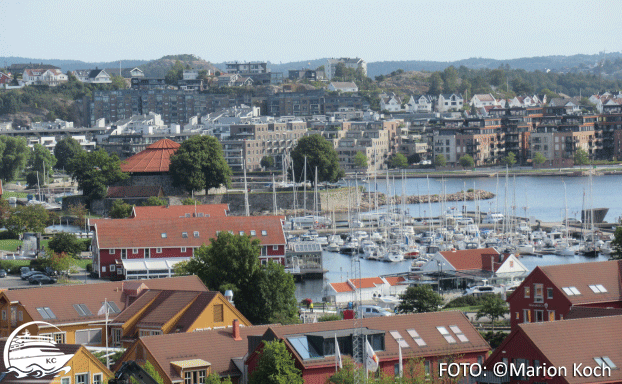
{"x":549,"y":292}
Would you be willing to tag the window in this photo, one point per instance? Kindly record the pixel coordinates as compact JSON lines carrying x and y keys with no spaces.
{"x":116,"y":336}
{"x":184,"y":235}
{"x":275,"y":247}
{"x":218,"y":313}
{"x":194,"y":377}
{"x":150,"y":332}
{"x":124,"y":254}
{"x":539,"y":315}
{"x":427,"y":367}
{"x":147,"y":253}
{"x":598,"y":288}
{"x":82,"y":378}
{"x":164,"y":235}
{"x":82,"y":310}
{"x":551,"y":315}
{"x":526,"y":316}
{"x":46,"y":313}
{"x":264,"y":233}
{"x":400,"y":340}
{"x":549,"y":293}
{"x":196,"y":233}
{"x":65,"y":380}
{"x":134,"y":251}
{"x":253,"y":233}
{"x":112,"y":268}
{"x":158,"y":250}
{"x":183,"y":249}
{"x":571,"y":291}
{"x":112,"y":251}
{"x":420,"y":342}
{"x":459,"y":333}
{"x":241,"y":233}
{"x":538,"y":293}
{"x":89,"y":336}
{"x":97,"y":378}
{"x":103,"y":269}
{"x":449,"y":338}
{"x":527,"y":292}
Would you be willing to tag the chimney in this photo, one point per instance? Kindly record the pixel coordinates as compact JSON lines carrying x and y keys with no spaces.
{"x":236,"y":330}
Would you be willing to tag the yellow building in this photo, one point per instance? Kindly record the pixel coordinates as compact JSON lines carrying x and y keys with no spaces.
{"x":85,"y":369}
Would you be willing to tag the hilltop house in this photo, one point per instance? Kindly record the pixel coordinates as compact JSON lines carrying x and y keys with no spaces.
{"x":51,"y":77}
{"x":420,"y":104}
{"x":342,"y":87}
{"x":94,"y":76}
{"x":449,"y":102}
{"x":391,"y":103}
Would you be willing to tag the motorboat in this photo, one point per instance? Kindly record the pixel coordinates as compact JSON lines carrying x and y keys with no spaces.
{"x":332,"y":247}
{"x":492,"y":218}
{"x":394,"y":255}
{"x":524,"y":248}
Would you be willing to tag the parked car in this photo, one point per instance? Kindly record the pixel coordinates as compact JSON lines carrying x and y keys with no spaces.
{"x":374,"y":311}
{"x":50,"y":271}
{"x":41,"y":279}
{"x":28,"y":275}
{"x":2,"y":273}
{"x":24,"y":270}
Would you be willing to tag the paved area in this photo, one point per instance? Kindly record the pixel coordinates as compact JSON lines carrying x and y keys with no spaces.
{"x":16,"y":282}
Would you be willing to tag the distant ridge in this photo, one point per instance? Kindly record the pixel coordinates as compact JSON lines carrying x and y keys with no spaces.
{"x":72,"y":65}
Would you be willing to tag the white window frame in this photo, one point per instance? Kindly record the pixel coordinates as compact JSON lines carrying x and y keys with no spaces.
{"x":85,"y":374}
{"x":183,"y":249}
{"x":538,"y":298}
{"x":65,"y":378}
{"x":103,"y":268}
{"x":101,"y":378}
{"x":134,"y":251}
{"x":112,"y":251}
{"x":158,"y":250}
{"x":275,"y":247}
{"x":147,"y":253}
{"x":112,"y":267}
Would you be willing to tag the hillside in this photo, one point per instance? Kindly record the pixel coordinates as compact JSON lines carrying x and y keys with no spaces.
{"x":72,"y":65}
{"x":159,"y":68}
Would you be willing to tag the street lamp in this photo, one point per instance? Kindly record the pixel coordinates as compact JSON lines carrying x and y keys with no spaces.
{"x":440,"y":266}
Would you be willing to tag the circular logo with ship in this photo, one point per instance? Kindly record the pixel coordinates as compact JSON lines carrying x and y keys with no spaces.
{"x":30,"y":355}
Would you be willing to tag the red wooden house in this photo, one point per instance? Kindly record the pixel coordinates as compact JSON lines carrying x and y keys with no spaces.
{"x":549,"y":292}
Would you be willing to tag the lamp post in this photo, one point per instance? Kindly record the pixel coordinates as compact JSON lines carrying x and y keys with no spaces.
{"x":440,"y":266}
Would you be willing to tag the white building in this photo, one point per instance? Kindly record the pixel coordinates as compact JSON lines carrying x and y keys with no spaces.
{"x":371,"y":288}
{"x":420,"y":104}
{"x":343,"y":87}
{"x":449,"y":102}
{"x":51,"y":77}
{"x":92,"y":76}
{"x":483,"y":100}
{"x":354,"y":63}
{"x":190,"y":74}
{"x":391,"y":103}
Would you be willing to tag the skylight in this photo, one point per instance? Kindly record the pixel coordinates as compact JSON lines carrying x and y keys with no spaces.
{"x":264,"y":233}
{"x":459,"y":333}
{"x":112,"y":307}
{"x":184,"y":235}
{"x":416,"y":337}
{"x":303,"y":347}
{"x":448,"y":337}
{"x":598,"y":288}
{"x":400,"y":340}
{"x":196,"y":233}
{"x":46,"y":313}
{"x":609,"y":362}
{"x":82,"y":310}
{"x":164,"y":235}
{"x":571,"y":291}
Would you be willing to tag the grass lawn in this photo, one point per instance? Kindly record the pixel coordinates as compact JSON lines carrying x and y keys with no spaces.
{"x":10,"y":245}
{"x":7,"y":194}
{"x":472,"y":308}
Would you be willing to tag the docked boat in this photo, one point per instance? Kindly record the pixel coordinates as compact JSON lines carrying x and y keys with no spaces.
{"x":394,"y":255}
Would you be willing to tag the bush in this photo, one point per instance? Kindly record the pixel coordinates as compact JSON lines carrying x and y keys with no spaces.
{"x":37,"y":264}
{"x":13,"y":266}
{"x":330,"y":317}
{"x":494,"y":338}
{"x":89,"y":267}
{"x":465,"y":301}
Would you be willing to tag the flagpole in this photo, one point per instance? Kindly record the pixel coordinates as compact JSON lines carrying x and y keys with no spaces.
{"x":401,"y":366}
{"x":365,"y":357}
{"x":107,"y":355}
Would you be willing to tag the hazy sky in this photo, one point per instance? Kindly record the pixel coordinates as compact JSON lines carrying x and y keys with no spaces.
{"x":292,"y":30}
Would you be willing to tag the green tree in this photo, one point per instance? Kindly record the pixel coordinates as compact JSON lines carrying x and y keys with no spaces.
{"x":510,"y":159}
{"x":320,"y":153}
{"x":267,"y":161}
{"x":65,"y":242}
{"x":616,"y":244}
{"x":398,"y":160}
{"x":436,"y":84}
{"x":5,"y":212}
{"x":275,"y":365}
{"x":118,"y":82}
{"x":200,"y":164}
{"x":360,"y":160}
{"x":440,"y":160}
{"x":419,"y":299}
{"x":190,"y":201}
{"x":215,"y":378}
{"x":61,"y":262}
{"x":41,"y":160}
{"x":450,"y":79}
{"x":538,"y":158}
{"x":231,"y":262}
{"x":175,"y":74}
{"x":34,"y":179}
{"x":28,"y":218}
{"x":78,"y":211}
{"x":150,"y":369}
{"x":415,"y":158}
{"x":120,"y":209}
{"x":493,"y":307}
{"x":14,"y":153}
{"x":95,"y":171}
{"x":581,"y":157}
{"x":154,"y":201}
{"x":65,"y":150}
{"x":466,"y":161}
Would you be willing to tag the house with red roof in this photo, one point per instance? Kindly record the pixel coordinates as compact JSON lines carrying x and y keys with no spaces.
{"x":582,"y":350}
{"x":233,"y":351}
{"x":51,"y":77}
{"x":458,"y":268}
{"x":549,"y":292}
{"x":150,"y":247}
{"x":150,"y":167}
{"x":371,"y":288}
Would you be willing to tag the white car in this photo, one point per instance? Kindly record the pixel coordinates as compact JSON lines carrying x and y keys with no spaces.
{"x":374,"y":311}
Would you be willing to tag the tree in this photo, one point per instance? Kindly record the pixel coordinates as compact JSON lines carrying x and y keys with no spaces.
{"x":28,"y":218}
{"x":538,"y":158}
{"x":79,"y":212}
{"x":466,"y":161}
{"x":65,"y":150}
{"x":214,"y":378}
{"x":95,"y":171}
{"x":415,"y":158}
{"x":510,"y":159}
{"x":581,"y":157}
{"x":120,"y":209}
{"x":436,"y":84}
{"x":154,"y":201}
{"x":33,"y":180}
{"x":440,"y":160}
{"x":267,"y":161}
{"x":262,"y":294}
{"x":420,"y":299}
{"x":14,"y":153}
{"x":65,"y":242}
{"x":616,"y":244}
{"x":5,"y":212}
{"x":61,"y":262}
{"x":150,"y":369}
{"x":320,"y":154}
{"x":190,"y":201}
{"x":175,"y":74}
{"x":118,"y":82}
{"x":275,"y":365}
{"x":398,"y":160}
{"x":41,"y":160}
{"x":360,"y":160}
{"x":200,"y":164}
{"x":493,"y":307}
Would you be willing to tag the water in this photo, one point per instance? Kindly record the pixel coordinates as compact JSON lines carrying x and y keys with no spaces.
{"x":340,"y":269}
{"x":541,"y":197}
{"x":63,"y":228}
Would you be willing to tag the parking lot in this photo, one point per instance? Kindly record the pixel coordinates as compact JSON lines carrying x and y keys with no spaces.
{"x":15,"y":281}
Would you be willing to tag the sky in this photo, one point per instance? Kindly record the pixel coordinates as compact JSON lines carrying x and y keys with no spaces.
{"x":293,"y":30}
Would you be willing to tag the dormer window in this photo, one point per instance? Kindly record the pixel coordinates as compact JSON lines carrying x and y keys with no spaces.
{"x":184,"y":235}
{"x":196,"y":233}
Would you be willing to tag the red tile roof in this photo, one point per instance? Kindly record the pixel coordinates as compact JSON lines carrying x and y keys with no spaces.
{"x":394,"y":280}
{"x":91,"y":295}
{"x":582,"y":275}
{"x":155,"y":158}
{"x":367,"y":282}
{"x":167,"y":233}
{"x":472,"y":259}
{"x":581,"y":312}
{"x":579,"y":341}
{"x":342,"y":287}
{"x":176,"y":211}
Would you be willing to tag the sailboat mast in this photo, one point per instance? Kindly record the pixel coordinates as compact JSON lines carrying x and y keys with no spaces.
{"x":304,"y":186}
